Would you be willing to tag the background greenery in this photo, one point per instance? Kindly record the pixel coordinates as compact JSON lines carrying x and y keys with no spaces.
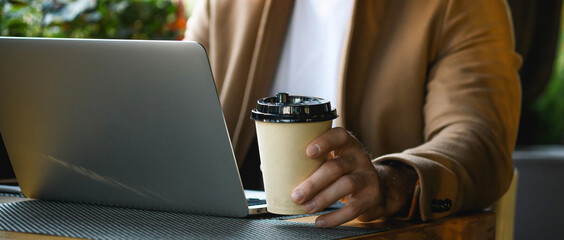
{"x":550,"y":105}
{"x":121,"y":19}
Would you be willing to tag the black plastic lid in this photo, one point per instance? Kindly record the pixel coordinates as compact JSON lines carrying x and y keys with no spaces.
{"x":284,"y":108}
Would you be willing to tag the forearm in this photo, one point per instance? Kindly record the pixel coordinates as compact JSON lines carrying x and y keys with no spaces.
{"x":458,"y":170}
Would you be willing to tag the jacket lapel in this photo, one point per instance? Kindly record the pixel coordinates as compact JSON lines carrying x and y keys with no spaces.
{"x":270,"y":39}
{"x":357,"y":59}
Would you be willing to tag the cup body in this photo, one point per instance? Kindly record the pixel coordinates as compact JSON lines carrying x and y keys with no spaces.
{"x":286,"y":124}
{"x":284,"y":164}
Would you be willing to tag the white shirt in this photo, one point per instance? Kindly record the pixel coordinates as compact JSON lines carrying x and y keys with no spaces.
{"x":309,"y":64}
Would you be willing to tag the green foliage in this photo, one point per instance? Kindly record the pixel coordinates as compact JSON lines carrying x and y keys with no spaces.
{"x":550,"y":105}
{"x":120,"y":19}
{"x":19,"y":18}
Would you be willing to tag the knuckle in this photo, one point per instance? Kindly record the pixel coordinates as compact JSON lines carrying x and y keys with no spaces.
{"x":362,"y":158}
{"x":341,"y":133}
{"x":358,"y":145}
{"x":367,"y":217}
{"x":307,"y":186}
{"x":348,"y":138}
{"x":363,"y":153}
{"x":355,"y":210}
{"x":323,"y":201}
{"x":374,"y":190}
{"x":349,"y":182}
{"x":335,"y":167}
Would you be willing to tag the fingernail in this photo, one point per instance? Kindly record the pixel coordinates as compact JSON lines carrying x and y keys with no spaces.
{"x":313,"y":150}
{"x":320,"y":223}
{"x":308,"y":207}
{"x":297,"y":195}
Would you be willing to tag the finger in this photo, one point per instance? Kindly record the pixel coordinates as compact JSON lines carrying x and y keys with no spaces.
{"x":344,"y":186}
{"x":375,"y":210}
{"x":371,"y":215}
{"x":347,"y":213}
{"x":327,"y":173}
{"x":332,"y":139}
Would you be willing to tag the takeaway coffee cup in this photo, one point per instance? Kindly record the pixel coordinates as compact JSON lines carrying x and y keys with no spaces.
{"x":286,"y":125}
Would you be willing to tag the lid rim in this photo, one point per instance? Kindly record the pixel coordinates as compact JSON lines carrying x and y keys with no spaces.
{"x":285,"y":108}
{"x":264,"y":117}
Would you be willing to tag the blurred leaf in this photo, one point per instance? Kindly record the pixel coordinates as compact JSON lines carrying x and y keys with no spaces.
{"x":550,"y":105}
{"x":142,"y":19}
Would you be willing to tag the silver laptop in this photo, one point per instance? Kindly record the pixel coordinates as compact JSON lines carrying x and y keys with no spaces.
{"x":118,"y":122}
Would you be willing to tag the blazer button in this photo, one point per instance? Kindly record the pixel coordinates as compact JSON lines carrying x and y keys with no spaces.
{"x":439,"y":205}
{"x":447,"y":204}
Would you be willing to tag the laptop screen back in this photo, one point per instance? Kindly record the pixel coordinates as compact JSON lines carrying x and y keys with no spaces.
{"x":117,"y":122}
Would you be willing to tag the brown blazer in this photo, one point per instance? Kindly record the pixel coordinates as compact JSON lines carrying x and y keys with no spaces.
{"x":431,"y":83}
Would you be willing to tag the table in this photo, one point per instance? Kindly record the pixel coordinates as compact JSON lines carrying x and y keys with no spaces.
{"x":476,"y":225}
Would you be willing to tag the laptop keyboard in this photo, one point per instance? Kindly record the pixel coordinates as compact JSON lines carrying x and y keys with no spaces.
{"x":255,"y":201}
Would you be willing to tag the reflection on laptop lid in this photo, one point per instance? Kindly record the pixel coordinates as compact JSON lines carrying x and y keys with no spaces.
{"x":118,"y":122}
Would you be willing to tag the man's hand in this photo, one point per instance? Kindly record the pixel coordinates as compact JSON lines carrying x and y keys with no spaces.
{"x":368,"y":191}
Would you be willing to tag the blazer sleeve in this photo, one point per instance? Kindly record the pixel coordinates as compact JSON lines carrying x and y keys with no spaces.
{"x":471,"y":111}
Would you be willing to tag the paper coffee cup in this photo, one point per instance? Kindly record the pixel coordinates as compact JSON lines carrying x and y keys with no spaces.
{"x":286,"y":125}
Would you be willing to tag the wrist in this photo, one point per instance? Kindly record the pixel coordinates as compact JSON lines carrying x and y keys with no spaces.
{"x":398,"y":186}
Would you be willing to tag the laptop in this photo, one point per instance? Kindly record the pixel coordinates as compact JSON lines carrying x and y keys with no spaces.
{"x":126,"y":123}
